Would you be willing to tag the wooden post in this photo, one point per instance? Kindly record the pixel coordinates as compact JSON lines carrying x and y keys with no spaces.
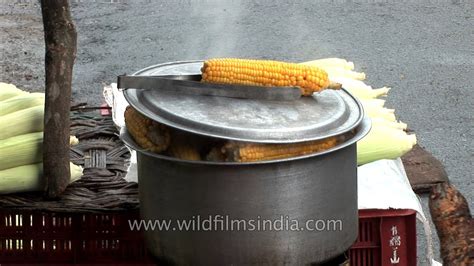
{"x":60,"y":39}
{"x":452,"y":218}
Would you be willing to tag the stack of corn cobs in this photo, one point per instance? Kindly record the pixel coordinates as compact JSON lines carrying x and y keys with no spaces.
{"x":21,"y":141}
{"x":387,"y":139}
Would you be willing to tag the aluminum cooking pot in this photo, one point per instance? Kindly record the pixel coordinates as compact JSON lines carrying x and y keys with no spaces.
{"x":319,"y":191}
{"x":293,"y":211}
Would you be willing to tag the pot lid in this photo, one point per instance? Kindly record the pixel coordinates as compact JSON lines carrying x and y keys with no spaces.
{"x":325,"y":114}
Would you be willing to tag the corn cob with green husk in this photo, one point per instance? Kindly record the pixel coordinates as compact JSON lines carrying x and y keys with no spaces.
{"x":387,"y":139}
{"x":384,"y":143}
{"x":9,"y":90}
{"x":150,"y":135}
{"x":336,"y":67}
{"x":29,"y":177}
{"x":21,"y":141}
{"x":358,"y":88}
{"x":368,"y":93}
{"x":250,"y":152}
{"x":21,"y":102}
{"x":24,"y":149}
{"x":21,"y":150}
{"x":379,"y":121}
{"x":331,"y":62}
{"x":22,"y":122}
{"x":265,"y":73}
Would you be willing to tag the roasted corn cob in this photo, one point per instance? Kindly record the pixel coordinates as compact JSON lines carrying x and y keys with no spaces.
{"x":149,"y":134}
{"x":265,"y":73}
{"x":250,"y":152}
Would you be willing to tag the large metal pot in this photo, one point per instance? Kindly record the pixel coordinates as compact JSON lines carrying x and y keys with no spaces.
{"x":217,"y":199}
{"x":317,"y":187}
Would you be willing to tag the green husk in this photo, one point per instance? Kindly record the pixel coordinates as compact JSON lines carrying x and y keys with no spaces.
{"x":376,"y":121}
{"x":28,"y":178}
{"x":21,"y":102}
{"x":384,"y":142}
{"x":24,"y":149}
{"x":9,"y":90}
{"x":22,"y":122}
{"x":21,"y":150}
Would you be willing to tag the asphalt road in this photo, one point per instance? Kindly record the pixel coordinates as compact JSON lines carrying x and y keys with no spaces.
{"x":422,"y":49}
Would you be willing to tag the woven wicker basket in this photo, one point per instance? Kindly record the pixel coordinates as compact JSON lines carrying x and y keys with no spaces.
{"x":89,"y":224}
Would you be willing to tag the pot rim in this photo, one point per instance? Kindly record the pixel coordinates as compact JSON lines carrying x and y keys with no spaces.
{"x":363,"y":129}
{"x":149,"y":110}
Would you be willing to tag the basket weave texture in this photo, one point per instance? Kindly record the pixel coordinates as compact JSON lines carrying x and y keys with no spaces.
{"x":102,"y":187}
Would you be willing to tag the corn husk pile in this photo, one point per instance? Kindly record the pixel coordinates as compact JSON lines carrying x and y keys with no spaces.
{"x":388,"y":138}
{"x":21,"y":141}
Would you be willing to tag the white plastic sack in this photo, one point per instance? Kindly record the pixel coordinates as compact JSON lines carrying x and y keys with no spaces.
{"x":384,"y":184}
{"x":115,"y":99}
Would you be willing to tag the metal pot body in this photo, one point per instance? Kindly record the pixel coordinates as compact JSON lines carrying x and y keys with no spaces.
{"x":320,"y":192}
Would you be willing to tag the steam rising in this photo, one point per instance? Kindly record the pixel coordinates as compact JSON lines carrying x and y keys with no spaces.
{"x":219,"y":23}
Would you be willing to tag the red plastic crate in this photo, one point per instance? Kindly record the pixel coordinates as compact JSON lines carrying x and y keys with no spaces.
{"x":70,"y":238}
{"x":386,"y":238}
